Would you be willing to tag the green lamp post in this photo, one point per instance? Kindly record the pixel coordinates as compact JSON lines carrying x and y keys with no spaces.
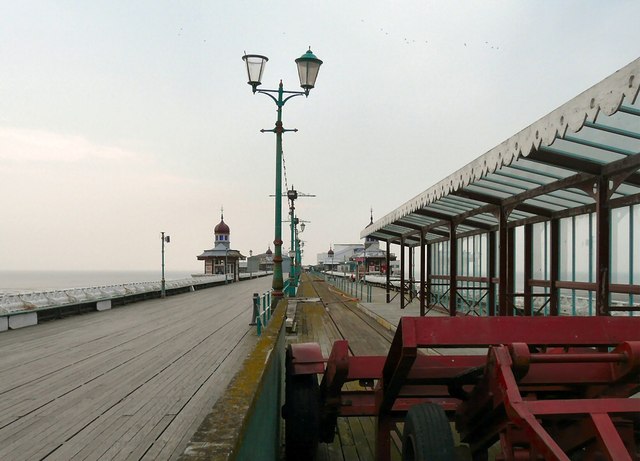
{"x":300,"y":251}
{"x":292,"y":195}
{"x":166,"y":239}
{"x":308,"y":67}
{"x":299,"y":245}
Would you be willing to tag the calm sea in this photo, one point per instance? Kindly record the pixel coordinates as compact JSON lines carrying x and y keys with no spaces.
{"x":12,"y":282}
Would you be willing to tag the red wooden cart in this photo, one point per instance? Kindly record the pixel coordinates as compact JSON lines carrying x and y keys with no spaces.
{"x":553,"y":388}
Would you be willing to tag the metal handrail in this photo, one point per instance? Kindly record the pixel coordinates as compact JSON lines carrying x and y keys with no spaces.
{"x":18,"y":303}
{"x":263,"y":316}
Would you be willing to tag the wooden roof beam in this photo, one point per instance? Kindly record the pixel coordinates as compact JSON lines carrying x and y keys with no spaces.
{"x":429,"y":229}
{"x":444,"y":219}
{"x":585,"y":166}
{"x":395,"y":236}
{"x":515,"y":204}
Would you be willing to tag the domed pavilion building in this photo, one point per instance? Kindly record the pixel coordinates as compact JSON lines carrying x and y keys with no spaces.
{"x":221,"y":259}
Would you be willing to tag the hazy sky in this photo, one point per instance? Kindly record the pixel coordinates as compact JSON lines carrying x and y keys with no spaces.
{"x":121,"y":119}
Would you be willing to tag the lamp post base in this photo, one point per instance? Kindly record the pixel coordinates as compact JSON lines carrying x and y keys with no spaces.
{"x":278,"y":282}
{"x":276,"y":296}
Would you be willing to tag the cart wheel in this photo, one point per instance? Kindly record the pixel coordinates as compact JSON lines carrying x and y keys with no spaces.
{"x":427,"y":434}
{"x":302,"y":418}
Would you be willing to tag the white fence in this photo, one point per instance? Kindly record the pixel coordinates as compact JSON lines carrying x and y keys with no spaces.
{"x":29,"y":302}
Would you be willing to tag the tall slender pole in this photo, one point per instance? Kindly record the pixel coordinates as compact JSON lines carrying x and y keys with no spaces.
{"x":308,"y":66}
{"x":278,"y":282}
{"x":298,"y":258}
{"x":388,"y":278}
{"x":162,"y":292}
{"x":293,"y":253}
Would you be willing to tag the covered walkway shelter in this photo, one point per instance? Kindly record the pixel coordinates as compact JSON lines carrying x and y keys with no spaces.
{"x":545,"y":223}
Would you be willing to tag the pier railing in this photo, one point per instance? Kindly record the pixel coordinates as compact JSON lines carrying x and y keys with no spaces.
{"x":264,"y":312}
{"x":472,"y":297}
{"x":24,"y":309}
{"x":361,"y":289}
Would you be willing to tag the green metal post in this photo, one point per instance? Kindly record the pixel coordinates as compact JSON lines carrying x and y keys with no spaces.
{"x":297,"y":256}
{"x":292,"y":275}
{"x":278,"y":283}
{"x":299,"y":266}
{"x":306,"y":61}
{"x":162,"y":284}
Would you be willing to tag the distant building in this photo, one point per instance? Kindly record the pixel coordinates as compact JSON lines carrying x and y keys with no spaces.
{"x":355,"y":257}
{"x":242,"y":267}
{"x":370,"y":258}
{"x":337,"y":256}
{"x":264,"y":262}
{"x":221,"y":259}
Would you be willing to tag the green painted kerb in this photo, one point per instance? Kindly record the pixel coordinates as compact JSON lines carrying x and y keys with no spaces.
{"x":245,"y":423}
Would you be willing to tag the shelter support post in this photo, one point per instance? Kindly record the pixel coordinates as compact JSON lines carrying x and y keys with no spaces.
{"x":402,"y":268}
{"x":503,"y":254}
{"x":554,"y":269}
{"x":528,"y":268}
{"x":411,"y":276}
{"x":511,"y":273}
{"x":603,"y":241}
{"x":428,"y":275}
{"x":388,"y":274}
{"x":422,"y":274}
{"x":491,"y":249}
{"x":453,"y":269}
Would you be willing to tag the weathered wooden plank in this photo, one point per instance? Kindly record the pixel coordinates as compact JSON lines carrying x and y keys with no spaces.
{"x":117,"y":382}
{"x":161,"y":394}
{"x":365,"y":452}
{"x":334,"y":450}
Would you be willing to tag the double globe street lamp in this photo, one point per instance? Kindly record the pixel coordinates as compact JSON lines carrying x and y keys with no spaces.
{"x":308,"y":67}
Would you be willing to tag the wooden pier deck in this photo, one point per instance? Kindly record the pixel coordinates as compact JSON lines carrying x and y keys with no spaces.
{"x":370,"y":328}
{"x":132,"y":383}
